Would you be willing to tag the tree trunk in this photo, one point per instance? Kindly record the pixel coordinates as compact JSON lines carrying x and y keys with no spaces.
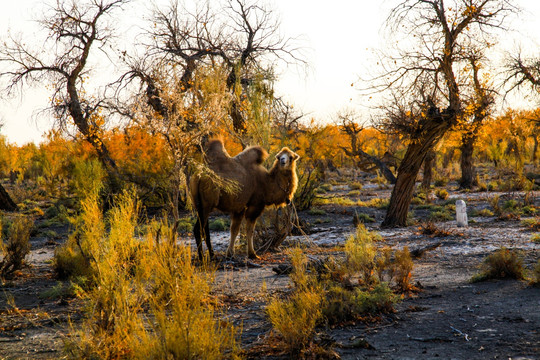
{"x":6,"y":203}
{"x":468,"y":171}
{"x":408,"y":170}
{"x":428,"y":170}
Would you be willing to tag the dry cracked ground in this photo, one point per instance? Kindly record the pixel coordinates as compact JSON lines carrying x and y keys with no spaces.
{"x":450,"y":318}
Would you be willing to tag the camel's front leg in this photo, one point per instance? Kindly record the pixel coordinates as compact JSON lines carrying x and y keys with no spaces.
{"x":236,"y":221}
{"x":250,"y":226}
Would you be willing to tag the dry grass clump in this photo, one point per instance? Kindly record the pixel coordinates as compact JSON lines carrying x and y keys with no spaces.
{"x":146,"y":298}
{"x":502,"y":264}
{"x":431,"y":229}
{"x":16,"y":246}
{"x":295,"y":318}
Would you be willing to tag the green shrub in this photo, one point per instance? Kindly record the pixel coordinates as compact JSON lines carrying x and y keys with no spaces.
{"x":220,"y":224}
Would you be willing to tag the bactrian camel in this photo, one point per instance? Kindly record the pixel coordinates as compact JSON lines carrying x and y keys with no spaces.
{"x":256,"y":188}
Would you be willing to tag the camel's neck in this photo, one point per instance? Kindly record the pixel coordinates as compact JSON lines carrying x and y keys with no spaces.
{"x":281,"y":185}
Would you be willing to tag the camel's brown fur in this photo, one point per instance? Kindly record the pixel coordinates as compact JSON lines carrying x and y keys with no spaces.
{"x":258,"y":188}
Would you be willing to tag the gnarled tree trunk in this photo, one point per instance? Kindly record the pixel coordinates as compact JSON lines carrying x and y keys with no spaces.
{"x":408,"y":170}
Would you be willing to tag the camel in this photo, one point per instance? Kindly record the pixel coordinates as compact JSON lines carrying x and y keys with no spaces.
{"x":257,"y":188}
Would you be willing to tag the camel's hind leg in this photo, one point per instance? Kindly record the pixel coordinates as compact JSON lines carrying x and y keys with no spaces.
{"x":206,"y":235}
{"x":236,"y":221}
{"x":251,"y":218}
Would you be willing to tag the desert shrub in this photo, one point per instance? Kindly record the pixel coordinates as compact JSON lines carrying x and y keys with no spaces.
{"x":326,"y":187}
{"x":440,"y":181}
{"x":316,"y":212}
{"x":376,"y":203}
{"x":295,"y":318}
{"x":492,"y":186}
{"x":354,"y":193}
{"x":441,"y":215}
{"x":429,"y":228}
{"x":362,"y":218}
{"x":483,"y":212}
{"x":535,"y":238}
{"x":86,"y":176}
{"x":401,"y":269}
{"x":75,"y":258}
{"x":533,"y":223}
{"x":16,"y":245}
{"x":441,"y":194}
{"x":535,"y":280}
{"x":147,"y":299}
{"x":338,"y":200}
{"x":502,"y":264}
{"x":360,"y":255}
{"x":220,"y":224}
{"x":355,"y":185}
{"x":344,"y":304}
{"x":185,"y":224}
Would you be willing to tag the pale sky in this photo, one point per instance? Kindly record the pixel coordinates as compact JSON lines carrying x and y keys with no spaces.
{"x":338,"y":38}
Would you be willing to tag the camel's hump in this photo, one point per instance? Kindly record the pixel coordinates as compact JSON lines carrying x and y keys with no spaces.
{"x":252,"y":155}
{"x":215,"y":151}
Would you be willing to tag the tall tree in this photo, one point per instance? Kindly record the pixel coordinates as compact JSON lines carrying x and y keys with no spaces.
{"x":481,"y":99}
{"x":424,"y":78}
{"x":76,"y":31}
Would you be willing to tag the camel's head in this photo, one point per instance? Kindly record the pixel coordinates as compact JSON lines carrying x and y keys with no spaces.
{"x":286,"y":158}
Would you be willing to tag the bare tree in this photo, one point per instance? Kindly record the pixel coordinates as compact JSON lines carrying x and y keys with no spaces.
{"x":424,"y":78}
{"x":75,"y":32}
